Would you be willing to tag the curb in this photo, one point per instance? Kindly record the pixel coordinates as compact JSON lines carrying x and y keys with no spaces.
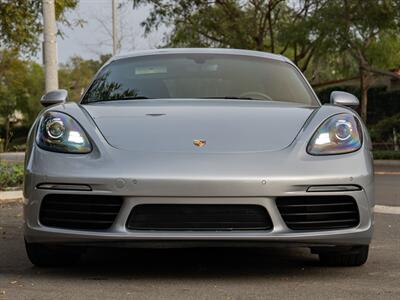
{"x":386,"y":163}
{"x":12,"y":156}
{"x":12,"y":196}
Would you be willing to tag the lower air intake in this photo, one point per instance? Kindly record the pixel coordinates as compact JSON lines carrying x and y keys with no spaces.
{"x":200,"y":217}
{"x":318,"y":212}
{"x":84,"y":212}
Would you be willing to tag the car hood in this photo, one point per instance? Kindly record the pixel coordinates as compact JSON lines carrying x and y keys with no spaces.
{"x":173,"y":125}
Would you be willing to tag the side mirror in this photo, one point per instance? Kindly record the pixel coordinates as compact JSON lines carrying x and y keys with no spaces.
{"x":345,"y":99}
{"x":54,"y":97}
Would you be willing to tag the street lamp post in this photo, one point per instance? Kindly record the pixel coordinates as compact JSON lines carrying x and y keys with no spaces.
{"x":50,"y":46}
{"x":114,"y":27}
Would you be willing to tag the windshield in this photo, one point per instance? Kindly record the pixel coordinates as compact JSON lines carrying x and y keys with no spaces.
{"x":204,"y":76}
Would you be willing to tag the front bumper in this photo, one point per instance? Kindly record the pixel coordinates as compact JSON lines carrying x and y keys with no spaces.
{"x":280,"y":234}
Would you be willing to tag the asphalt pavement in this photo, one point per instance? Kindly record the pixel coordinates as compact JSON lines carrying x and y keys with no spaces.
{"x":207,"y":273}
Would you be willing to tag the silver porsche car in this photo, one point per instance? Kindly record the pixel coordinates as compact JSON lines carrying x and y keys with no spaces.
{"x":198,"y":148}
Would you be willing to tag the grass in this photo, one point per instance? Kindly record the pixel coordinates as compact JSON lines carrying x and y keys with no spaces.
{"x":386,"y":154}
{"x":11,"y":175}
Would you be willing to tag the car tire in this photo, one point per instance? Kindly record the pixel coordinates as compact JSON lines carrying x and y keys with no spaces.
{"x":52,"y":256}
{"x":355,"y":257}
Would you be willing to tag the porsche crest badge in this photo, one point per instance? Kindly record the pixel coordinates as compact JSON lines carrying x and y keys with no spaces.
{"x":199,"y":143}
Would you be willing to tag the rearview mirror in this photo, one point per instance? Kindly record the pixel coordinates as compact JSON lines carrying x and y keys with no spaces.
{"x":345,"y":99}
{"x":54,"y":97}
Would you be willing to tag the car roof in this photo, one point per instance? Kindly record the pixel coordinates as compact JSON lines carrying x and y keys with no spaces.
{"x":201,"y":51}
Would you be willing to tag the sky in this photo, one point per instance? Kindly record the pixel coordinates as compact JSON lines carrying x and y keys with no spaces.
{"x":94,"y":38}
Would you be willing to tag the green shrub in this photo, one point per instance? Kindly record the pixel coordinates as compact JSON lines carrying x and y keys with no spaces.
{"x":383,"y":130}
{"x":11,"y":175}
{"x":385,"y":154}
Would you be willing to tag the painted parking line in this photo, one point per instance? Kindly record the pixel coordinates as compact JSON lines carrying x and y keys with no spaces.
{"x":387,"y":173}
{"x":384,"y":209}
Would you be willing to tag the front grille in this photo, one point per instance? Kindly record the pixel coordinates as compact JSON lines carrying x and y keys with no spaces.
{"x":214,"y":217}
{"x":85,"y":212}
{"x":318,"y":212}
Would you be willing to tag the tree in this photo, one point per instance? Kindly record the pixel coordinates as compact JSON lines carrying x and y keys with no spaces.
{"x":126,"y":33}
{"x":77,"y":74}
{"x":16,"y":94}
{"x":276,"y":26}
{"x":300,"y":34}
{"x":21,"y":22}
{"x":33,"y":81}
{"x":368,"y":30}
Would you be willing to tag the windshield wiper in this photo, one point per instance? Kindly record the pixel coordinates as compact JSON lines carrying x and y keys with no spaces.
{"x":231,"y":97}
{"x":132,"y":98}
{"x":120,"y":99}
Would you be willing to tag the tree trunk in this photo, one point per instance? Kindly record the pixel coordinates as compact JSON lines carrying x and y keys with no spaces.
{"x":7,"y":134}
{"x":364,"y":86}
{"x":271,"y":30}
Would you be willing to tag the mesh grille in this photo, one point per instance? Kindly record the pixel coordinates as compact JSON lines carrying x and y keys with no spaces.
{"x":86,"y":212}
{"x":199,"y":217}
{"x":318,"y":212}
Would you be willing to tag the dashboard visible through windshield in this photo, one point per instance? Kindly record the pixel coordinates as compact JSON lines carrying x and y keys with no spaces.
{"x":199,"y":76}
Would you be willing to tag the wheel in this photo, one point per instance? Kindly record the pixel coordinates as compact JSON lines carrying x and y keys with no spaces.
{"x":52,"y":256}
{"x":354,"y":257}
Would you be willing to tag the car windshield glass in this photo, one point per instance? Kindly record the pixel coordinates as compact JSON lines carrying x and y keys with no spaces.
{"x":200,"y":76}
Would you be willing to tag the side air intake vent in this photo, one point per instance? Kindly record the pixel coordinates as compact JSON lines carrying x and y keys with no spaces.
{"x":318,"y":212}
{"x":84,"y":212}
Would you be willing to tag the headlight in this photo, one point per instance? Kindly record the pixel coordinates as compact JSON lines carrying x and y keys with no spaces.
{"x":58,"y":132}
{"x":338,"y":135}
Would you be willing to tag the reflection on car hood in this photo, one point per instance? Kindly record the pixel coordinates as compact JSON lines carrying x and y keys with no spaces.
{"x":226,"y":126}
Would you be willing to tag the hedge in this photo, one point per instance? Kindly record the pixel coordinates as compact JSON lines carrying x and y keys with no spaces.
{"x":11,"y":175}
{"x":384,"y":154}
{"x":381,"y":103}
